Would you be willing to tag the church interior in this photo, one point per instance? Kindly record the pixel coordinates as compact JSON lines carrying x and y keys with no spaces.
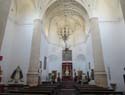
{"x":62,"y":47}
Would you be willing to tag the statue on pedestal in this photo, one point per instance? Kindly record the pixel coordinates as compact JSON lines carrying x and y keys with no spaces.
{"x":17,"y":75}
{"x":92,"y":74}
{"x":75,"y":76}
{"x":67,"y":71}
{"x":58,"y":78}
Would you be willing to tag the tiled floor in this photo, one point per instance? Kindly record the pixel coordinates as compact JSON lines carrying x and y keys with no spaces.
{"x":67,"y":92}
{"x":67,"y":88}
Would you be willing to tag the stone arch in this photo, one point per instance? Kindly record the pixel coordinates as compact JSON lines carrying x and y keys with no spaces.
{"x":53,"y":61}
{"x":52,"y":58}
{"x":62,"y":8}
{"x":59,"y":8}
{"x":81,"y":57}
{"x":73,"y":8}
{"x":81,"y":62}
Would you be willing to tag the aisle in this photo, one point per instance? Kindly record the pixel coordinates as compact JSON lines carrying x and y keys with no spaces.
{"x":67,"y":88}
{"x":67,"y":92}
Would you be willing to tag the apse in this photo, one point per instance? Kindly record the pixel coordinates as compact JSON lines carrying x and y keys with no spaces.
{"x":66,"y":14}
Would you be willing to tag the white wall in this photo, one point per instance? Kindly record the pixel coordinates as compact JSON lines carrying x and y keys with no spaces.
{"x":54,"y":58}
{"x":108,"y":9}
{"x":113,"y":42}
{"x":6,"y":49}
{"x":17,"y":44}
{"x":44,"y":52}
{"x":16,"y":48}
{"x":89,"y":51}
{"x":79,"y":59}
{"x":4,"y":11}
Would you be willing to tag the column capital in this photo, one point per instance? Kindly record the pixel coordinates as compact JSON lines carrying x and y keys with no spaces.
{"x":94,"y":18}
{"x":37,"y":20}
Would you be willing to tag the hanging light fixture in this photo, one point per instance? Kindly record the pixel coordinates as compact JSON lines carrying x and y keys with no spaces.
{"x":65,"y":32}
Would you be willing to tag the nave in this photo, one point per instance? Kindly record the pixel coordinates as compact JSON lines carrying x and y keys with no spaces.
{"x":59,"y":88}
{"x":43,"y":41}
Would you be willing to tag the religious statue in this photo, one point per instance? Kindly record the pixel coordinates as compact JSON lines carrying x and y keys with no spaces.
{"x":80,"y":76}
{"x":74,"y":73}
{"x":17,"y":75}
{"x":52,"y":78}
{"x":39,"y":72}
{"x":67,"y":71}
{"x":92,"y":74}
{"x":58,"y":78}
{"x":75,"y":76}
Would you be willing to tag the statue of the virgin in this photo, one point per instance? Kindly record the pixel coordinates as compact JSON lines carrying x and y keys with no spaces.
{"x":67,"y":71}
{"x":17,"y":75}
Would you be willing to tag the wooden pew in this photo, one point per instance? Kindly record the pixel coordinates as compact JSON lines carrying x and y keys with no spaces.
{"x":93,"y":89}
{"x":20,"y":94}
{"x":100,"y":93}
{"x":45,"y":92}
{"x":41,"y":89}
{"x":34,"y":90}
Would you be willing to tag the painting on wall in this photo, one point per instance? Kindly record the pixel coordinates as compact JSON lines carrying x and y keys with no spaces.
{"x":1,"y":58}
{"x":124,"y":78}
{"x":45,"y":62}
{"x":67,"y":55}
{"x":0,"y":74}
{"x":40,"y":66}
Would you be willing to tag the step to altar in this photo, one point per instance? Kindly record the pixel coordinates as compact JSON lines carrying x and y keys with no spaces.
{"x":68,"y":84}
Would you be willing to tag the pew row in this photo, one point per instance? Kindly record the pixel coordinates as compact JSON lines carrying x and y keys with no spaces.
{"x":93,"y":89}
{"x":49,"y":89}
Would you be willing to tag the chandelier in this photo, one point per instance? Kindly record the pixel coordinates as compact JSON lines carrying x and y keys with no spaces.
{"x":64,"y":34}
{"x":65,"y":31}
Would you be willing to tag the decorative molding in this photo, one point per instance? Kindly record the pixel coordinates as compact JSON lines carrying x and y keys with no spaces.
{"x":17,"y":22}
{"x":110,"y":19}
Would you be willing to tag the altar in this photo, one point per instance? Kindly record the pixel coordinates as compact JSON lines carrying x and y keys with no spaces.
{"x":67,"y":71}
{"x":67,"y":68}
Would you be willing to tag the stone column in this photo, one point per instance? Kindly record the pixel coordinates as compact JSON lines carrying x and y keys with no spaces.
{"x":32,"y":77}
{"x":123,"y":7}
{"x":99,"y":67}
{"x":4,"y":11}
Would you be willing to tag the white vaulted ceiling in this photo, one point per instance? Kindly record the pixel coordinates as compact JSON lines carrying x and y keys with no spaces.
{"x":37,"y":8}
{"x":20,"y":5}
{"x":64,"y":12}
{"x":54,"y":12}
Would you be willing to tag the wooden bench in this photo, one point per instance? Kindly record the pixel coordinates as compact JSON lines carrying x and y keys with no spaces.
{"x":41,"y":89}
{"x":93,"y":89}
{"x":45,"y":92}
{"x":100,"y":93}
{"x":20,"y":94}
